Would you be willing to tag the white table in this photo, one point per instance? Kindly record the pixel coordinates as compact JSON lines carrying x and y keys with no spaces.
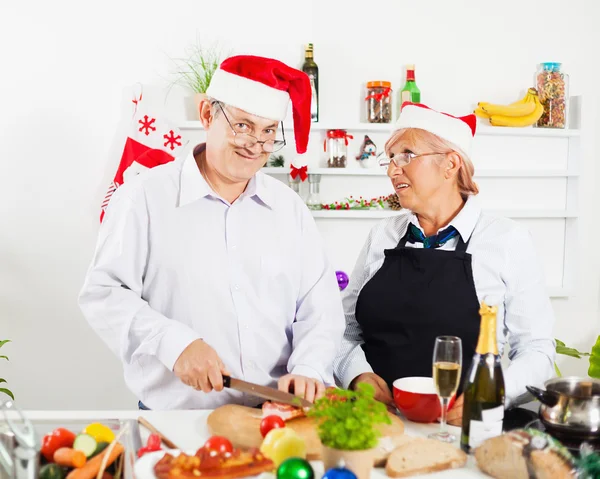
{"x":189,"y":431}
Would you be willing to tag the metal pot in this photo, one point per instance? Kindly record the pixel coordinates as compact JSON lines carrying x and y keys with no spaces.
{"x":570,"y":406}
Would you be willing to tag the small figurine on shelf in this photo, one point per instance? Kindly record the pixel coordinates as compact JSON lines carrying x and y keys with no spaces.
{"x":368,"y":153}
{"x":276,"y":161}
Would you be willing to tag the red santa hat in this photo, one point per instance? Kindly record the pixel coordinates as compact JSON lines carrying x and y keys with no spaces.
{"x":264,"y":87}
{"x":457,"y":130}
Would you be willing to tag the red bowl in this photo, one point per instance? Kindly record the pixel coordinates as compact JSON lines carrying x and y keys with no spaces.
{"x":417,"y":399}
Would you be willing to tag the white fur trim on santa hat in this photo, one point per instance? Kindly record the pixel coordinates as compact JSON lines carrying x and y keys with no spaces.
{"x":452,"y":129}
{"x":249,"y":95}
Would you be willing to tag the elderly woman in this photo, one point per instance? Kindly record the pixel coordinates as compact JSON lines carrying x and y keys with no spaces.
{"x":423,"y":273}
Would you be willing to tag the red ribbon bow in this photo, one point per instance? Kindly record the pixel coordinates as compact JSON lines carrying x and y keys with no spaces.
{"x":380,"y":96}
{"x":302,"y":172}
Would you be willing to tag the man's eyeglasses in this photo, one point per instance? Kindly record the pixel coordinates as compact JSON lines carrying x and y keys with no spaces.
{"x":402,"y":159}
{"x":246,"y":140}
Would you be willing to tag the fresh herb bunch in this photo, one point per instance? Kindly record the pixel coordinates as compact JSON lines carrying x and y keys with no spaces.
{"x":348,"y":419}
{"x":6,"y":391}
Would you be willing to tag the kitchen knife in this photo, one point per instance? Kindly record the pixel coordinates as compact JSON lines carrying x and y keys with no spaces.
{"x":266,"y":392}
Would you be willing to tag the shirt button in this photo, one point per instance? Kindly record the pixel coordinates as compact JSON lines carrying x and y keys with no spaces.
{"x":233,"y":246}
{"x":236,"y":287}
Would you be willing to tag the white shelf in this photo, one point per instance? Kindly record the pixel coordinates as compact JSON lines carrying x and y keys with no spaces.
{"x":482,"y":129}
{"x":514,"y":173}
{"x":386,"y":213}
{"x":558,"y":292}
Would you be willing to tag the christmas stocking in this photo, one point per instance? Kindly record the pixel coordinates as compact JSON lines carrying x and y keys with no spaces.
{"x":151,"y":141}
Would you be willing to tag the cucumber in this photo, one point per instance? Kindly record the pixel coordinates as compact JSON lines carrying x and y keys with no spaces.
{"x":86,"y":444}
{"x":52,"y":471}
{"x":99,"y":448}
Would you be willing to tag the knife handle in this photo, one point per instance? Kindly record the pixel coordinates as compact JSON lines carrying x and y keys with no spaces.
{"x":226,"y":381}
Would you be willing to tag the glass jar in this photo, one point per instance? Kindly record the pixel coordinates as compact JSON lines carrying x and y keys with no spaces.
{"x":314,"y":192}
{"x":379,"y":102}
{"x":294,"y":183}
{"x":552,"y":86}
{"x":337,"y":146}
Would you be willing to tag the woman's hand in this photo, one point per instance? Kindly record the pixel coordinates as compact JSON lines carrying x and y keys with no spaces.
{"x":382,"y":391}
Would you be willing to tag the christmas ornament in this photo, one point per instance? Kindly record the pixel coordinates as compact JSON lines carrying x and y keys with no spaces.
{"x":368,"y":153}
{"x":295,"y":468}
{"x":151,"y":141}
{"x":339,"y":472}
{"x":342,"y":279}
{"x":393,"y":201}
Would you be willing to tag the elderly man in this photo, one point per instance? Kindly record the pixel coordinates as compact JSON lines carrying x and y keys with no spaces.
{"x":205,"y":266}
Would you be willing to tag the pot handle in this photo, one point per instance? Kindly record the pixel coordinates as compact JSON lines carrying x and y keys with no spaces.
{"x":545,"y":397}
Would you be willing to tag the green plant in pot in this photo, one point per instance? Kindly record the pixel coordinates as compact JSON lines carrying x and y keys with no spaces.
{"x":6,"y":391}
{"x":594,"y":357}
{"x":194,"y":72}
{"x":348,"y":427}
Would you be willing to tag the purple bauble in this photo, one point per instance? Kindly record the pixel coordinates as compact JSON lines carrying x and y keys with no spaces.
{"x":342,"y":279}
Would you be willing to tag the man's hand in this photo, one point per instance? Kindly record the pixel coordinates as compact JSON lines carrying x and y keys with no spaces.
{"x":454,"y":416}
{"x":199,"y":366}
{"x":307,"y":388}
{"x":382,"y":391}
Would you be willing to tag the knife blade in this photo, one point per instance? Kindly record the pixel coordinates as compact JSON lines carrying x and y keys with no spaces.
{"x":265,"y":392}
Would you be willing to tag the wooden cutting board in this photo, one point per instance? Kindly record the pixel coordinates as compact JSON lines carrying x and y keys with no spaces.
{"x":241,"y":425}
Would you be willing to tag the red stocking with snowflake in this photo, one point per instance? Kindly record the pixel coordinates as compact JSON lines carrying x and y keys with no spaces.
{"x":151,"y":141}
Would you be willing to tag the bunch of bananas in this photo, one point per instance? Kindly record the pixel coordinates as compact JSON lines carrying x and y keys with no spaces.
{"x":524,"y":112}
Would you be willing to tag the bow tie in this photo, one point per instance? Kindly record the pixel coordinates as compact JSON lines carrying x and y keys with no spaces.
{"x":415,"y":235}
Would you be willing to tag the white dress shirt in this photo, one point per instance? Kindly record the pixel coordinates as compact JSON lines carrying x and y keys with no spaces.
{"x":506,"y":273}
{"x":175,"y":262}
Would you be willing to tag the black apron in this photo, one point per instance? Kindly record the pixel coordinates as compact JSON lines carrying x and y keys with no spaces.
{"x":417,"y":295}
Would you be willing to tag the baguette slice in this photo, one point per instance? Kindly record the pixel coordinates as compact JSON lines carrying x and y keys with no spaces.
{"x":422,"y":456}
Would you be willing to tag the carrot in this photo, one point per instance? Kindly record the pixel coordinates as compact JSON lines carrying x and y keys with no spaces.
{"x":91,"y":468}
{"x":66,"y":456}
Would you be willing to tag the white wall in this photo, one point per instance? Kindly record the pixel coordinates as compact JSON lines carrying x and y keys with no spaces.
{"x":66,"y":63}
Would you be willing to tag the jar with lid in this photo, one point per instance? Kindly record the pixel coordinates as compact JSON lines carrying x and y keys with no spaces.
{"x":336,"y":145}
{"x":379,"y":102}
{"x":552,"y":86}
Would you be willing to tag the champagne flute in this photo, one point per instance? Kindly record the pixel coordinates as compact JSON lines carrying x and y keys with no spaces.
{"x":447,"y":362}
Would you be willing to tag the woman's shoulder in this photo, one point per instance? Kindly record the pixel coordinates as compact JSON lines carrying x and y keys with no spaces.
{"x":500,"y":230}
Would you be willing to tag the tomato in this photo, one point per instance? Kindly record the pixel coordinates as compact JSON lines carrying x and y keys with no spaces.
{"x":142,"y":451}
{"x":50,"y":444}
{"x":270,"y":422}
{"x":218,"y":443}
{"x":66,"y":437}
{"x":153,"y":442}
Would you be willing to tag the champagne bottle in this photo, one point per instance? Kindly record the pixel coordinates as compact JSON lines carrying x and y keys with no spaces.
{"x":312,"y":70}
{"x":411,"y":91}
{"x":483,"y":391}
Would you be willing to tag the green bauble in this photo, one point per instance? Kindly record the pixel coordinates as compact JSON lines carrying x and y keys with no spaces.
{"x":295,"y":468}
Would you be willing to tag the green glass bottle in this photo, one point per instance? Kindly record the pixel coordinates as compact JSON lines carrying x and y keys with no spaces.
{"x":312,"y":70}
{"x":411,"y":91}
{"x":483,"y":392}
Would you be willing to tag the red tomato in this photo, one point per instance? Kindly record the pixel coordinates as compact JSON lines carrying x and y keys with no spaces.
{"x":218,"y":443}
{"x":66,"y":437}
{"x":142,"y":451}
{"x":50,"y":444}
{"x":153,"y":442}
{"x":270,"y":422}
